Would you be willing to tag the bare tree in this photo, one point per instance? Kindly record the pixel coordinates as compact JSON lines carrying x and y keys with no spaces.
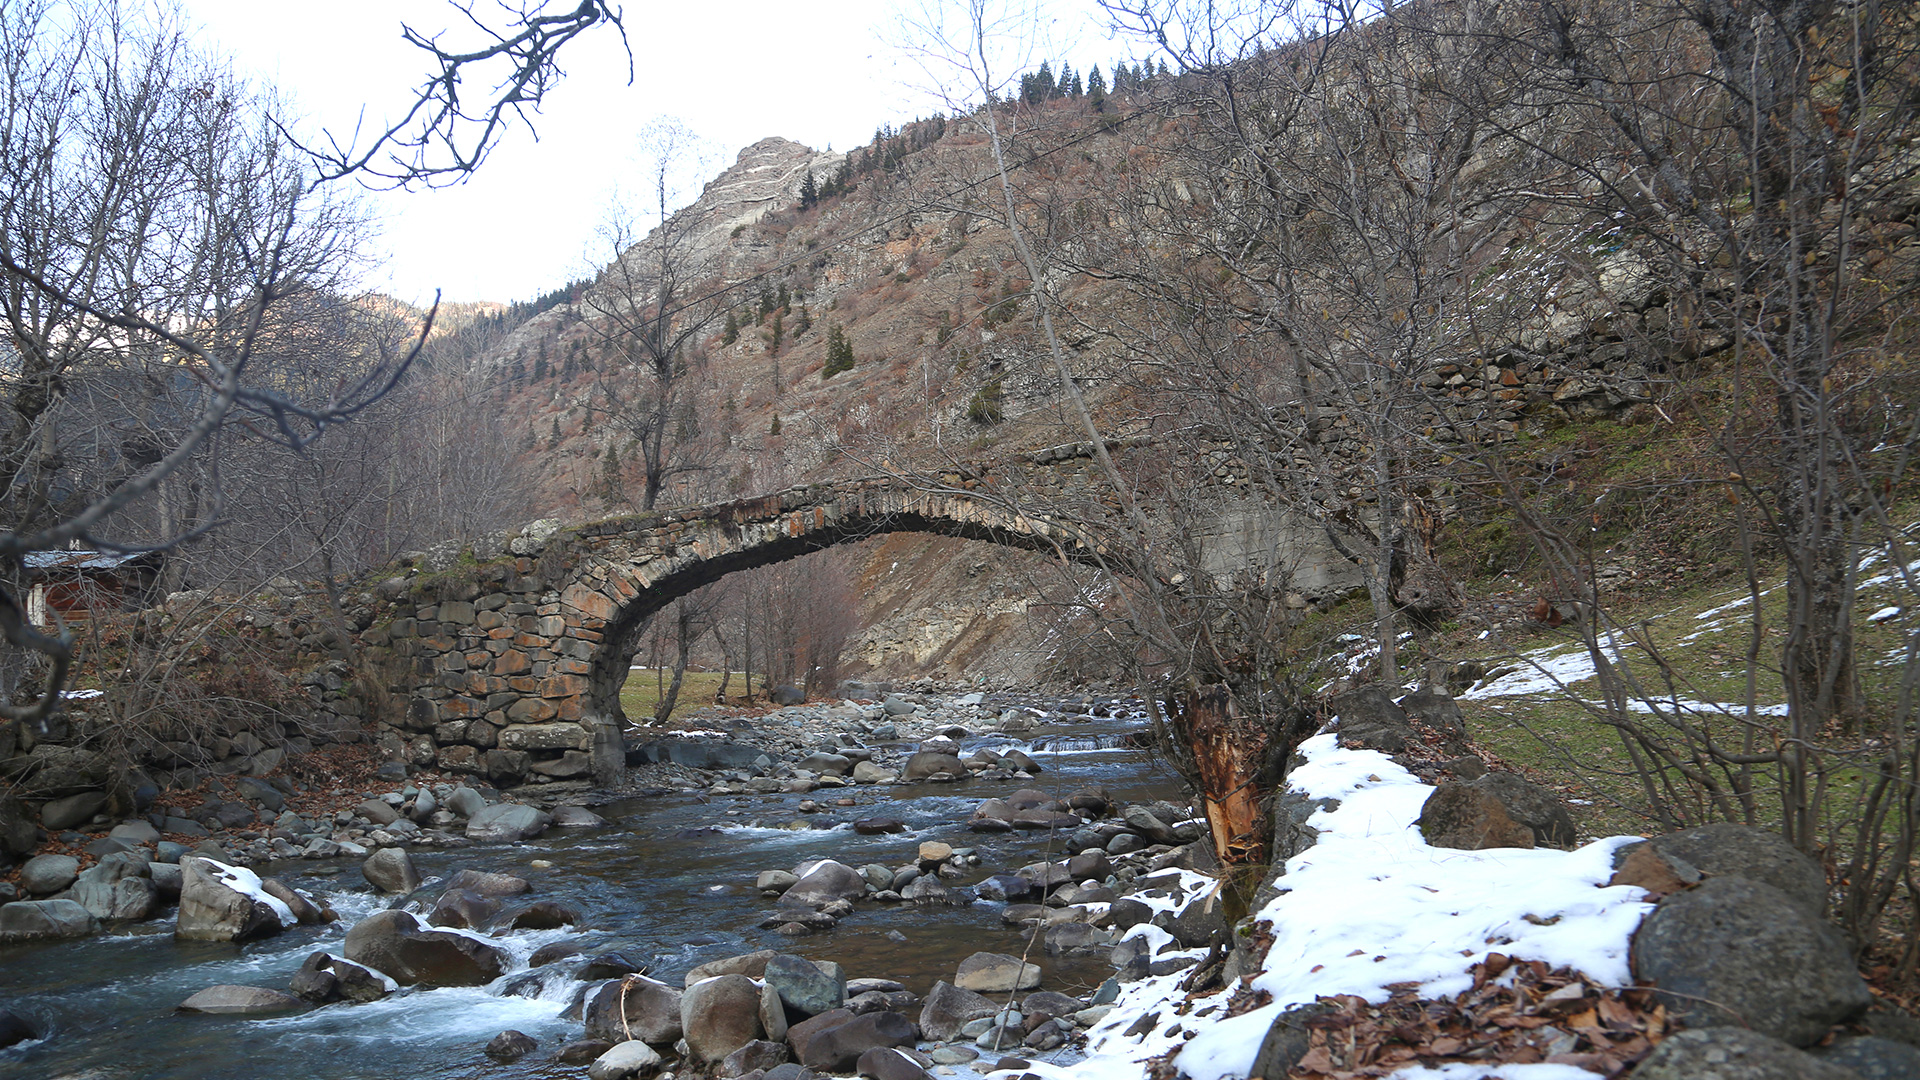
{"x":152,"y":216}
{"x":648,"y":313}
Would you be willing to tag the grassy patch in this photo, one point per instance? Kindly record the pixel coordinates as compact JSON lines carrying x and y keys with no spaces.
{"x":642,"y":692}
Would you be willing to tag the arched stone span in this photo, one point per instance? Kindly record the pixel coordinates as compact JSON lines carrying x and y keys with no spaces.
{"x":615,"y":595}
{"x":512,"y":667}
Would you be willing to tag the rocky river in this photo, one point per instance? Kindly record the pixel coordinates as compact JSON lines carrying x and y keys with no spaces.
{"x":967,"y":824}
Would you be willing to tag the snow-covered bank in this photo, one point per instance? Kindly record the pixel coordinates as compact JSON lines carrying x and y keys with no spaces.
{"x":1371,"y":904}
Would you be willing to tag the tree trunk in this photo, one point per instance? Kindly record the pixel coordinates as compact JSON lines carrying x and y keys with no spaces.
{"x":1228,"y":753}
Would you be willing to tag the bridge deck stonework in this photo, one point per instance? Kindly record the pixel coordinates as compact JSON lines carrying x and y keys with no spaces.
{"x":511,"y":667}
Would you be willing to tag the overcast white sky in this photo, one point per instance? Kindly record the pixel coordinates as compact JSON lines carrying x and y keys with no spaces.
{"x":733,"y":72}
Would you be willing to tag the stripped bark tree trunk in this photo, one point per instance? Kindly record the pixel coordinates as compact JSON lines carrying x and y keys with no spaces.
{"x":1227,"y":753}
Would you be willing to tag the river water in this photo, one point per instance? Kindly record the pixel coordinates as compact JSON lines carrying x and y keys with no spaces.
{"x":670,"y":883}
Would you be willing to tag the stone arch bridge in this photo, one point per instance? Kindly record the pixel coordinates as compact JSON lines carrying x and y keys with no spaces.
{"x":509,"y":663}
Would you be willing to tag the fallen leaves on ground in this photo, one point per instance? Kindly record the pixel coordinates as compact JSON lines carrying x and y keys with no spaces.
{"x":1517,"y":1013}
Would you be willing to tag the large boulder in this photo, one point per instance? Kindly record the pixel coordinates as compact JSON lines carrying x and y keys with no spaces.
{"x":930,"y":763}
{"x":460,"y":909}
{"x":752,"y":965}
{"x":44,"y":875}
{"x":760,"y":1054}
{"x":14,"y":1030}
{"x":394,"y":942}
{"x":823,"y":883}
{"x":226,"y":903}
{"x":1471,"y":819}
{"x":1873,"y":1057}
{"x":243,"y":1000}
{"x":1435,"y":711}
{"x":634,"y":1007}
{"x":628,"y":1059}
{"x":72,"y":810}
{"x":949,"y":1008}
{"x":1533,"y":806}
{"x":1737,"y":952}
{"x":324,"y":977}
{"x":18,"y":834}
{"x":483,"y":883}
{"x":1732,"y":1053}
{"x":1369,"y":718}
{"x":886,"y":1063}
{"x":45,"y":920}
{"x":996,"y":973}
{"x":803,"y":987}
{"x":835,"y":1049}
{"x":116,"y":897}
{"x":507,"y":822}
{"x":720,"y":1015}
{"x":391,"y":870}
{"x":1729,"y":850}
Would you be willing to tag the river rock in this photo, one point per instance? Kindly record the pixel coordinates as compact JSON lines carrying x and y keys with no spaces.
{"x":391,"y":870}
{"x":930,"y":763}
{"x":822,"y":762}
{"x":581,"y":1051}
{"x":324,"y":977}
{"x":115,"y":899}
{"x":486,"y":884}
{"x":507,"y":822}
{"x":836,"y":1048}
{"x":610,"y":965}
{"x":544,"y":915}
{"x":14,"y":1030}
{"x":1149,"y":826}
{"x":394,"y":942}
{"x":887,"y":1063}
{"x":1004,"y":887}
{"x":44,"y":875}
{"x":377,"y":811}
{"x":229,"y":998}
{"x":866,"y":772}
{"x":465,"y":801}
{"x":72,"y":810}
{"x":511,"y":1045}
{"x":773,"y":1013}
{"x":305,"y":911}
{"x":1532,"y":805}
{"x":45,"y":920}
{"x":1019,"y":761}
{"x":949,"y":1008}
{"x":720,"y":1015}
{"x":760,"y":1054}
{"x":752,"y":965}
{"x":824,"y":882}
{"x":628,"y":1059}
{"x":1737,"y":952}
{"x":996,"y":973}
{"x":879,"y":826}
{"x":774,"y":880}
{"x":1732,"y":1053}
{"x":225,"y":903}
{"x":576,"y":817}
{"x":462,"y":910}
{"x":634,"y":1007}
{"x":803,"y":987}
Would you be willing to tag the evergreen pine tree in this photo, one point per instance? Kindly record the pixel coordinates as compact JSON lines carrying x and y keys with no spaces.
{"x":553,"y":440}
{"x":612,"y":479}
{"x":839,"y":352}
{"x":774,"y":428}
{"x":1063,"y":86}
{"x":732,"y":333}
{"x":802,"y":322}
{"x":809,"y":193}
{"x":775,"y":342}
{"x":784,"y":299}
{"x":540,"y":371}
{"x":1096,"y":90}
